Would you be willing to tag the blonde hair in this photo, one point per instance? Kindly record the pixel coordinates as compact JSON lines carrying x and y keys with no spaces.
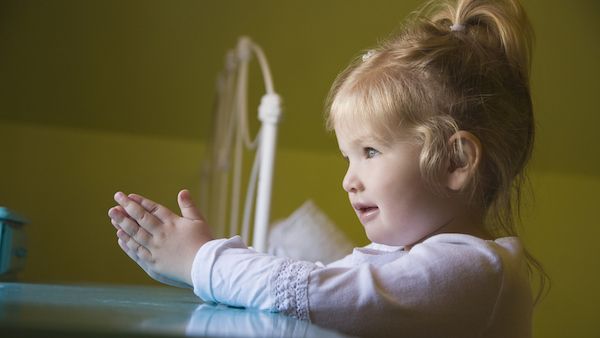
{"x":454,"y":65}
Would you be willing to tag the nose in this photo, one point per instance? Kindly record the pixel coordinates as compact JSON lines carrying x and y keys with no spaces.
{"x":352,"y":182}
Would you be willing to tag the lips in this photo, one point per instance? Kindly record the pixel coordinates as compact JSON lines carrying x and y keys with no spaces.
{"x":365,"y":212}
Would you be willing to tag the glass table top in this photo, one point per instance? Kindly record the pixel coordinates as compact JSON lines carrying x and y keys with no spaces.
{"x":38,"y":310}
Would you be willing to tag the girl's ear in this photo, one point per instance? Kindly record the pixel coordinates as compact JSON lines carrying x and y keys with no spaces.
{"x":463,"y":163}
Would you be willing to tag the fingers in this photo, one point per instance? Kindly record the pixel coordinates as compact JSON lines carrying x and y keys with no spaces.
{"x":145,"y":266}
{"x":122,"y":222}
{"x":143,"y":217}
{"x":142,"y":264}
{"x":133,"y":248}
{"x":133,"y":256}
{"x":114,"y":223}
{"x":112,"y":213}
{"x":188,"y":209}
{"x":162,"y":213}
{"x":129,"y":253}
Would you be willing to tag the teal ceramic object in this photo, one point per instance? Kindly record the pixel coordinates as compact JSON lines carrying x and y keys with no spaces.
{"x":13,"y":249}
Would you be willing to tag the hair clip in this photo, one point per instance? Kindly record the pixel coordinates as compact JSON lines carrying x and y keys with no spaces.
{"x":457,"y":27}
{"x":367,"y":55}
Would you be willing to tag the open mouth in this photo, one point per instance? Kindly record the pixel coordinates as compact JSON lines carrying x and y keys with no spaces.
{"x":365,"y":212}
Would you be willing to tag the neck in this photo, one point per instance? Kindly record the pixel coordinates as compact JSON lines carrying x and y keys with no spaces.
{"x":467,"y":223}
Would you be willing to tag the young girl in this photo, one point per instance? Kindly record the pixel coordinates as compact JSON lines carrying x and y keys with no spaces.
{"x":436,"y":125}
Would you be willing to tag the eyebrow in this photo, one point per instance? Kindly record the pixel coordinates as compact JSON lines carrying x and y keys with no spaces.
{"x":369,"y":140}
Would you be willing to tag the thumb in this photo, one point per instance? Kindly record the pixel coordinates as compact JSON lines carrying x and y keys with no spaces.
{"x":188,"y":209}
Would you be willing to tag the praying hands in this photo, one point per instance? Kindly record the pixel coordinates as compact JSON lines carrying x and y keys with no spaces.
{"x":161,"y":242}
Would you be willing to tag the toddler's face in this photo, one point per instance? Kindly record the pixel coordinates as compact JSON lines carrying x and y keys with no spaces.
{"x":386,"y":191}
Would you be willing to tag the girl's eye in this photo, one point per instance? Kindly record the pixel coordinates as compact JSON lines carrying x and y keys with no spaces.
{"x":371,"y":152}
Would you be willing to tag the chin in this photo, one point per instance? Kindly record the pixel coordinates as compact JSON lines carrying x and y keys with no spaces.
{"x":380,"y":239}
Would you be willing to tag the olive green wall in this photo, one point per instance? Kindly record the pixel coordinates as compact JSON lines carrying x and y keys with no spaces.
{"x":99,"y":96}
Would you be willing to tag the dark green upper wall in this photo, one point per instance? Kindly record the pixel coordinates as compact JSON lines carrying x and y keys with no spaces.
{"x":149,"y":67}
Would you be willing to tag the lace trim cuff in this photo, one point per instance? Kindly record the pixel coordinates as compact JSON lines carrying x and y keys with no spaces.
{"x":290,"y":288}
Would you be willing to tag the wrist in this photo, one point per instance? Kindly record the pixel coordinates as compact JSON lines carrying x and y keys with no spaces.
{"x":191,"y":261}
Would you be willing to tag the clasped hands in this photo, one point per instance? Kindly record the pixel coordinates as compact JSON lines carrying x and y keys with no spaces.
{"x":161,"y":242}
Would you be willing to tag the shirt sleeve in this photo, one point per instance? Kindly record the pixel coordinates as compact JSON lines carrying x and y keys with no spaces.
{"x":437,"y":289}
{"x":226,"y":271}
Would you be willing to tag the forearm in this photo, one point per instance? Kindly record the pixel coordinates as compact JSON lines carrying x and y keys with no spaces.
{"x":226,"y":271}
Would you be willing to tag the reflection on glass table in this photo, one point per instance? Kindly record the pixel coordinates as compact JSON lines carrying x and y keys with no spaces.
{"x":35,"y":310}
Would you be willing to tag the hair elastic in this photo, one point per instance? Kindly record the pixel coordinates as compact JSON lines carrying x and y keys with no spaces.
{"x":367,"y":55}
{"x":457,"y":27}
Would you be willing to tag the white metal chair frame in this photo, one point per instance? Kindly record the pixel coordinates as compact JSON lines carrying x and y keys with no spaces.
{"x":230,"y":120}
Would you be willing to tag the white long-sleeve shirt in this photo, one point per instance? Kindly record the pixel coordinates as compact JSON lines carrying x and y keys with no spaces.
{"x":450,"y":285}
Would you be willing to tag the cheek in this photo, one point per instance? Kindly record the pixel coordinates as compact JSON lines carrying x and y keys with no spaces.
{"x":406,"y":197}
